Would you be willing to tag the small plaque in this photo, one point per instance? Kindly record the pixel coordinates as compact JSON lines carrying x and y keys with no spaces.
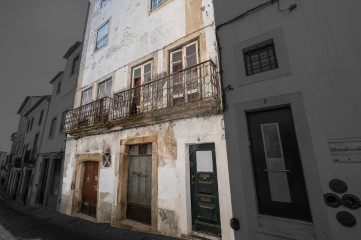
{"x":347,"y":150}
{"x":346,"y":219}
{"x":338,"y":186}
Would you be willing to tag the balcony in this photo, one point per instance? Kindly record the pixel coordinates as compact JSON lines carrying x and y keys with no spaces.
{"x":191,"y":92}
{"x":92,"y":115}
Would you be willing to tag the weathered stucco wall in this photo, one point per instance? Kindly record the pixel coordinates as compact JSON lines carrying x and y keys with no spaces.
{"x":174,"y":206}
{"x":137,"y":35}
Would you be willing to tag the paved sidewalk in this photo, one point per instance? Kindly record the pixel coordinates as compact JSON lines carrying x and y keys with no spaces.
{"x":23,"y":222}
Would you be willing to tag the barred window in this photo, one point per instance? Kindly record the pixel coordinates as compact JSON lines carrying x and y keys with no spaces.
{"x":260,"y":57}
{"x":102,"y":36}
{"x":156,"y":3}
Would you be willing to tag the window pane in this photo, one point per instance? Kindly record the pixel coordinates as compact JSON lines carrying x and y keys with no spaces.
{"x":137,"y":73}
{"x":86,"y":96}
{"x":108,"y":88}
{"x":276,"y":169}
{"x":147,"y":72}
{"x":204,"y":161}
{"x":177,"y":56}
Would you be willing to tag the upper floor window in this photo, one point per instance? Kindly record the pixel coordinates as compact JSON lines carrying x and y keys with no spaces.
{"x":86,"y":96}
{"x":31,"y":124}
{"x":52,"y":128}
{"x":104,"y":89}
{"x":104,"y":2}
{"x":75,"y":65}
{"x":260,"y":57}
{"x":58,"y":87}
{"x":156,"y":3}
{"x":41,"y":117}
{"x":141,"y":75}
{"x":102,"y":36}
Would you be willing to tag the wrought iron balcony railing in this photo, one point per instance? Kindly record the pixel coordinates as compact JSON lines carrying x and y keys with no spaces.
{"x":194,"y":84}
{"x":181,"y":92}
{"x":92,"y":114}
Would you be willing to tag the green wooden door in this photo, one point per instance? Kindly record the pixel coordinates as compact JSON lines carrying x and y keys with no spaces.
{"x":204,"y":189}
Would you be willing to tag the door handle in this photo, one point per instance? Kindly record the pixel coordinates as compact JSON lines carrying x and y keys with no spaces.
{"x":285,"y":170}
{"x":193,"y":178}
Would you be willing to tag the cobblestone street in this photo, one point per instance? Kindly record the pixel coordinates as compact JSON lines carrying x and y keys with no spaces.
{"x":19,"y":222}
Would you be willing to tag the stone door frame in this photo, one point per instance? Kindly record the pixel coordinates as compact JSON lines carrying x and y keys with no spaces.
{"x":120,"y":214}
{"x":79,"y":176}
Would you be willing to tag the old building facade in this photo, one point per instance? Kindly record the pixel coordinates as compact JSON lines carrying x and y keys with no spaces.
{"x":292,"y":78}
{"x":146,"y":145}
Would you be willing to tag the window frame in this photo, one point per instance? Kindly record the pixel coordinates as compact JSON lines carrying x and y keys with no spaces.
{"x":108,"y":80}
{"x":58,"y":87}
{"x":75,"y":64}
{"x":142,"y":79}
{"x":284,"y":66}
{"x":82,"y":94}
{"x":106,"y":3}
{"x":96,"y":37}
{"x":247,"y":55}
{"x":52,"y":127}
{"x":62,"y":123}
{"x":183,"y":50}
{"x":41,"y":117}
{"x":158,"y":4}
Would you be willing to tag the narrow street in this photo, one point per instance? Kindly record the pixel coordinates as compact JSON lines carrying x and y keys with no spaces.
{"x":18,"y":222}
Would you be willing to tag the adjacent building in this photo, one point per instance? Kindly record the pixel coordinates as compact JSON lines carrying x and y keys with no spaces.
{"x":146,"y":145}
{"x":46,"y":184}
{"x":291,"y":76}
{"x":26,"y":143}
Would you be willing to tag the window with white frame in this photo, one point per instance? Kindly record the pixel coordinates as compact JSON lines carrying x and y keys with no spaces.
{"x":182,"y":62}
{"x":155,"y":3}
{"x":102,"y":36}
{"x":104,"y":2}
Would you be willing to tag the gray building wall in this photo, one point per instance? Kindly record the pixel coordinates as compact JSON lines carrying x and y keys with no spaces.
{"x":318,"y":48}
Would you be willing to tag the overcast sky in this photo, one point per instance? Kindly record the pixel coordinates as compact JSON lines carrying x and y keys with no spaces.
{"x":34,"y":36}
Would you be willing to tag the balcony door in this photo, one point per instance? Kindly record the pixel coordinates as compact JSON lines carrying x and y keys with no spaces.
{"x":141,"y":95}
{"x":184,"y":76}
{"x":103,"y":105}
{"x":86,"y":98}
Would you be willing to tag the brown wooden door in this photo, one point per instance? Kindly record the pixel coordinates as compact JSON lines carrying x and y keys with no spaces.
{"x":139,"y":195}
{"x":90,"y":188}
{"x":280,"y":184}
{"x":204,"y":189}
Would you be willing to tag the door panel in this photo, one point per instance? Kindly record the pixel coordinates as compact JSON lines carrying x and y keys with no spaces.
{"x":90,"y":188}
{"x":139,"y":197}
{"x":278,"y":174}
{"x":204,"y":189}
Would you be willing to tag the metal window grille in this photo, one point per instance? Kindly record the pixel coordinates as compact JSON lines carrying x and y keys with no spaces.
{"x":260,"y":57}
